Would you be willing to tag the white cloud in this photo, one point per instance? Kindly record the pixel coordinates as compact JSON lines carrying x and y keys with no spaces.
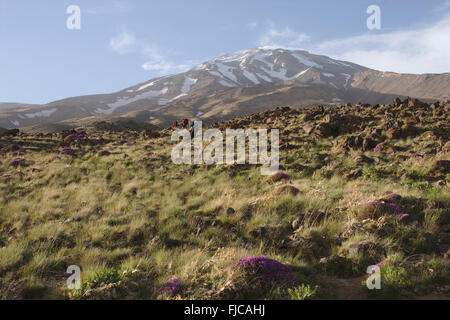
{"x":424,"y":49}
{"x":164,"y":67}
{"x":122,"y":43}
{"x":285,"y":38}
{"x":126,"y":43}
{"x":420,"y":50}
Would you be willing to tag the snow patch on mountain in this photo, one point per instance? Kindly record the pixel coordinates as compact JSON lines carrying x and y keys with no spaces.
{"x":40,"y":114}
{"x":303,"y":60}
{"x":347,"y":78}
{"x":126,"y":100}
{"x":227,"y":72}
{"x":145,"y":86}
{"x":188,"y":83}
{"x":250,"y":76}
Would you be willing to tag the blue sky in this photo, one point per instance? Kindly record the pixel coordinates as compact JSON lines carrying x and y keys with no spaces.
{"x":122,"y":43}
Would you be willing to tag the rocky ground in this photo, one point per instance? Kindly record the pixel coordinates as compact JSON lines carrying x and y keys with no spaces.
{"x":358,"y":186}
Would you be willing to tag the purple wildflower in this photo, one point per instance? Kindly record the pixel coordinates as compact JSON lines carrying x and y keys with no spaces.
{"x":105,"y":153}
{"x":284,"y":175}
{"x":293,"y":188}
{"x":172,"y":287}
{"x":379,"y":265}
{"x":17,"y":162}
{"x":269,"y":271}
{"x":67,"y":151}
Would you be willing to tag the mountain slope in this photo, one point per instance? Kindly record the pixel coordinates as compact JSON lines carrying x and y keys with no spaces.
{"x":358,"y":186}
{"x":246,"y":81}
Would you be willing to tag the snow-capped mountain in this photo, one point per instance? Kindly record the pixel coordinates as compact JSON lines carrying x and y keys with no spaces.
{"x":245,"y":68}
{"x":229,"y":85}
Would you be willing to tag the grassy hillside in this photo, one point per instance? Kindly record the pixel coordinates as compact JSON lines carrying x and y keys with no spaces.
{"x":361,"y":185}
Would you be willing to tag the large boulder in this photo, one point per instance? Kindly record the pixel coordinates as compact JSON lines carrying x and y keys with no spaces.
{"x":377,"y":209}
{"x":10,"y":133}
{"x":414,"y":103}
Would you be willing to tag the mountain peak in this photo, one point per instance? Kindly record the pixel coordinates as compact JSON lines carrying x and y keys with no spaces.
{"x":248,"y":78}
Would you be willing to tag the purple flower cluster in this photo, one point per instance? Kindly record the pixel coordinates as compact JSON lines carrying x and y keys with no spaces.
{"x":17,"y":163}
{"x":379,"y":265}
{"x":284,"y":175}
{"x":67,"y":151}
{"x":77,"y":137}
{"x":377,"y":147}
{"x":293,"y":188}
{"x":105,"y":153}
{"x":172,"y":287}
{"x":269,"y":271}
